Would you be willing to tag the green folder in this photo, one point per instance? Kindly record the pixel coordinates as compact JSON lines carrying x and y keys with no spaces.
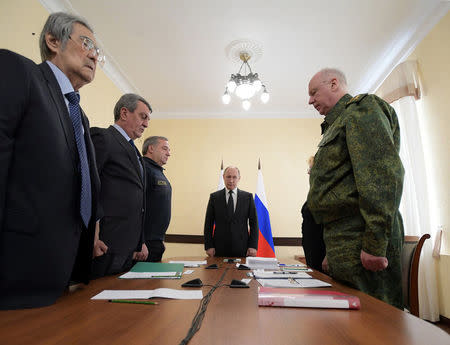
{"x":158,"y":267}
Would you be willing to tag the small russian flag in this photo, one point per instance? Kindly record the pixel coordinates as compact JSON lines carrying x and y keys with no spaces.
{"x":220,"y":186}
{"x":265,"y":242}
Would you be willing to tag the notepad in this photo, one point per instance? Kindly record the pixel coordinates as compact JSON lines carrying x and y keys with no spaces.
{"x":158,"y":270}
{"x":306,"y":298}
{"x":146,"y":294}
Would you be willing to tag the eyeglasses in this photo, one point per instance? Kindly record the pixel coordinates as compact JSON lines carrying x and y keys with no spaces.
{"x":89,"y":46}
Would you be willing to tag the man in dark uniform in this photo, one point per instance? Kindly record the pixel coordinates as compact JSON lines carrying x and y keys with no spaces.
{"x":156,"y":152}
{"x":356,"y":186}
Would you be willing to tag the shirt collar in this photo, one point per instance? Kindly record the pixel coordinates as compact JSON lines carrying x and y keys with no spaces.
{"x":64,"y":82}
{"x":335,"y":112}
{"x":228,"y":190}
{"x":121,"y":131}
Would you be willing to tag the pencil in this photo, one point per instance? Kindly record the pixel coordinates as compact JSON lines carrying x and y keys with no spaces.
{"x":131,"y":302}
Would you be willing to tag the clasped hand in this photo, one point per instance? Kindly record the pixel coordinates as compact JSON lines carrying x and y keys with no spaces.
{"x":373,"y":263}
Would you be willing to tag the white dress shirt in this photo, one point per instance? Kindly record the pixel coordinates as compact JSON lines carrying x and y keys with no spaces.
{"x":227,"y":195}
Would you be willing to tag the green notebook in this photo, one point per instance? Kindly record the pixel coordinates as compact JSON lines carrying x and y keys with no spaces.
{"x":154,"y":267}
{"x":157,"y":267}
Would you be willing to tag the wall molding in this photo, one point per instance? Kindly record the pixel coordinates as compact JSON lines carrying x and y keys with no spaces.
{"x":198,"y":239}
{"x":401,"y":46}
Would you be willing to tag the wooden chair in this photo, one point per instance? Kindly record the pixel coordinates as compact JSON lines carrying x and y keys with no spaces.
{"x":410,"y":264}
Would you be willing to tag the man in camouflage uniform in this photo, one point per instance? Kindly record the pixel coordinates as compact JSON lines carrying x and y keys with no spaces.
{"x":355,"y":187}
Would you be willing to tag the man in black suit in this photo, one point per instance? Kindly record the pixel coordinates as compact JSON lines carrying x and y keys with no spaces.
{"x":48,"y":179}
{"x":229,"y":214}
{"x":119,"y":236}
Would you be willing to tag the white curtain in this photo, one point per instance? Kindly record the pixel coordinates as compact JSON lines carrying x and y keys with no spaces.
{"x":414,"y":205}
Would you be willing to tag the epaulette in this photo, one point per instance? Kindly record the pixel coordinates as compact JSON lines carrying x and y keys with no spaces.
{"x":356,"y":99}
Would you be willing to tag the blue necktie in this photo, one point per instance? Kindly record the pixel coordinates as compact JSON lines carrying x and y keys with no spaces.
{"x":85,"y":195}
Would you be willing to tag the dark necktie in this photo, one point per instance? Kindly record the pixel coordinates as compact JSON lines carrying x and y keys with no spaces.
{"x":230,"y":205}
{"x":85,"y":195}
{"x":138,"y":156}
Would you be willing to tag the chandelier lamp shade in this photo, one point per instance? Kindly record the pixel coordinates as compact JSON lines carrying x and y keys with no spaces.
{"x":245,"y":84}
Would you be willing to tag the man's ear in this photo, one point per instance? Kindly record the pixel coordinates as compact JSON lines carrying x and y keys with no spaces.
{"x":52,"y":42}
{"x":334,"y":84}
{"x":123,"y":113}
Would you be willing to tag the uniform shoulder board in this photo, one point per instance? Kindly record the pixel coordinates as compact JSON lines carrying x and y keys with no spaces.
{"x":356,"y":99}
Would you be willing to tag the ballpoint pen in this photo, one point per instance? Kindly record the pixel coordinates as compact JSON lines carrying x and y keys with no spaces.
{"x":131,"y":302}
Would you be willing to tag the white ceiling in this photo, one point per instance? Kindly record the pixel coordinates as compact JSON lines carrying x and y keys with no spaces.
{"x":172,"y":52}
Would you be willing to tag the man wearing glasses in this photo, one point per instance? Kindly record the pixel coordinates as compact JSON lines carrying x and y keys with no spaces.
{"x":48,"y":178}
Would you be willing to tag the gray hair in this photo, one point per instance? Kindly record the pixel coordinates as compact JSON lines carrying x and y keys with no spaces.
{"x":152,"y":141}
{"x":329,"y":73}
{"x":231,"y":167}
{"x":60,"y":26}
{"x":129,"y":101}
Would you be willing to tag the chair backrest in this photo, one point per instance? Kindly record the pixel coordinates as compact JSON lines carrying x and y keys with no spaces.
{"x":412,"y":249}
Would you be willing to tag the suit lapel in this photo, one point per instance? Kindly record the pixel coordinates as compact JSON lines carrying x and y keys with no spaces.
{"x":63,"y":113}
{"x":238,"y":202}
{"x":90,"y":150}
{"x":222,"y":198}
{"x":131,"y":152}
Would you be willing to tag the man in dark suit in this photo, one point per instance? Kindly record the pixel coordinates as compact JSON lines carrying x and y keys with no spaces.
{"x":48,"y":179}
{"x":229,"y":214}
{"x":119,"y":236}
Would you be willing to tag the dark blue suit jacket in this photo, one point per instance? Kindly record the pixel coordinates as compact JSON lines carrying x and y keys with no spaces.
{"x":41,"y":239}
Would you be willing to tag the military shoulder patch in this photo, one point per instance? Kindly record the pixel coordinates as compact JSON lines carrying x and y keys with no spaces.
{"x":162,"y":183}
{"x":356,"y":99}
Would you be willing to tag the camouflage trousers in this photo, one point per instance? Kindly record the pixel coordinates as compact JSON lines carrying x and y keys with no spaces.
{"x":343,"y":239}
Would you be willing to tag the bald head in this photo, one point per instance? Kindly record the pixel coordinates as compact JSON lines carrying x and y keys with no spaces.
{"x":326,"y":88}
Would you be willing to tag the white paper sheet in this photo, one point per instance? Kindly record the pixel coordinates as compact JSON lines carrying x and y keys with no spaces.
{"x":259,"y":274}
{"x":312,"y":283}
{"x":145,"y":275}
{"x":188,"y":263}
{"x":261,"y":263}
{"x":146,"y":294}
{"x":278,"y":283}
{"x":292,"y":283}
{"x":296,"y":269}
{"x":292,"y":265}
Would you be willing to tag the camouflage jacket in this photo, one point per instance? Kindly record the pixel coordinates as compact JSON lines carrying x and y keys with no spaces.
{"x":357,"y":168}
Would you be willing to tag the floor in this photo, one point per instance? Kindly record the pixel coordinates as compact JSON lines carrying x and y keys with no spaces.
{"x":443,"y":325}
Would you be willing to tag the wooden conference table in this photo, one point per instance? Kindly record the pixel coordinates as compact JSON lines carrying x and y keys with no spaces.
{"x":232,"y":317}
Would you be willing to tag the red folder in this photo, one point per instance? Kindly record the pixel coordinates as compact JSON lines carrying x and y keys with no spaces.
{"x":306,"y":298}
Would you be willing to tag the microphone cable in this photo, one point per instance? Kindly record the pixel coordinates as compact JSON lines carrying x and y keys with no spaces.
{"x":198,"y":318}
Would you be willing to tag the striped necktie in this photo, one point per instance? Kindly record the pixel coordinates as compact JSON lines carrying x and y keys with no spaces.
{"x":85,"y":195}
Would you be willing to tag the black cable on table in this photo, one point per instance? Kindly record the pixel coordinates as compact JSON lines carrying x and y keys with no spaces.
{"x":198,"y":318}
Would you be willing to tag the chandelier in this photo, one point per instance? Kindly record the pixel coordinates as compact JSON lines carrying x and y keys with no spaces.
{"x":245,"y":85}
